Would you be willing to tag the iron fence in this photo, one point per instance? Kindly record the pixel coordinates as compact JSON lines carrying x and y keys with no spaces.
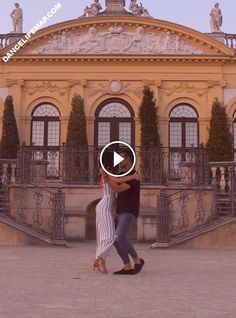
{"x":183,"y":212}
{"x":39,"y":209}
{"x":157,"y":165}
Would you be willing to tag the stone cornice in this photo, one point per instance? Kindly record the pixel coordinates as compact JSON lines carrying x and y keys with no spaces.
{"x":124,"y":59}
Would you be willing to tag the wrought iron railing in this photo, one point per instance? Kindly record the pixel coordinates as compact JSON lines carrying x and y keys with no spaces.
{"x":79,"y":165}
{"x":187,"y":210}
{"x":183,"y":212}
{"x":39,"y":209}
{"x":32,"y":205}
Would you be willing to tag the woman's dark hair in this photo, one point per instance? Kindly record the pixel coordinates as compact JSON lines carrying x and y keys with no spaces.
{"x":107,"y":160}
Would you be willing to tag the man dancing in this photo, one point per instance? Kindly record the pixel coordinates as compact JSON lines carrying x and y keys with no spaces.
{"x":127,"y":213}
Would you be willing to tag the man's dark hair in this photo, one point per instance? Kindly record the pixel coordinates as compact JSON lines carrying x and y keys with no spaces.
{"x":127,"y":154}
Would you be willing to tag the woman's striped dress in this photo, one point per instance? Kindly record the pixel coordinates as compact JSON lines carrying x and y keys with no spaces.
{"x":105,"y":223}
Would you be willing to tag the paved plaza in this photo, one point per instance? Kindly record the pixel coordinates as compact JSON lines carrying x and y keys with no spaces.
{"x":59,"y":282}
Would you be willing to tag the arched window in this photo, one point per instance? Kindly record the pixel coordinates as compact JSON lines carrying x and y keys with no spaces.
{"x":45,"y":126}
{"x":114,"y":121}
{"x":45,"y":136}
{"x":183,"y":135}
{"x":183,"y":127}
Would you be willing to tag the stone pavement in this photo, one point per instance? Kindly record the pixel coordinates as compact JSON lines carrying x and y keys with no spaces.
{"x":48,"y":282}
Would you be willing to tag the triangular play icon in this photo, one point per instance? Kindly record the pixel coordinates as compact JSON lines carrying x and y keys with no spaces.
{"x":117,"y":159}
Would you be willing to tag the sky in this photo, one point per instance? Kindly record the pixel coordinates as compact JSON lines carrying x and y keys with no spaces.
{"x":191,"y":13}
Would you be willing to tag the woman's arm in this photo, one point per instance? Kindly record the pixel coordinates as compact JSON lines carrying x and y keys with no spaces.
{"x":116,"y":187}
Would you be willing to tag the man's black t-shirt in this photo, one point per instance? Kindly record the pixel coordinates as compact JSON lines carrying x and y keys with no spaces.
{"x":128,"y":201}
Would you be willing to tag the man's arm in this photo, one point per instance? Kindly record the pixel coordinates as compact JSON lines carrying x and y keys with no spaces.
{"x":124,"y":179}
{"x":117,"y":188}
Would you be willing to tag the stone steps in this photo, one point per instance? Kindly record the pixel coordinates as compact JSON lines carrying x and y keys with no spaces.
{"x":4,"y":201}
{"x":224,"y":206}
{"x":182,"y":238}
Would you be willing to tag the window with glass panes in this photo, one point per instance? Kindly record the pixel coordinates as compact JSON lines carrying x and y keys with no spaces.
{"x":183,"y":135}
{"x":45,"y":136}
{"x":114,"y":121}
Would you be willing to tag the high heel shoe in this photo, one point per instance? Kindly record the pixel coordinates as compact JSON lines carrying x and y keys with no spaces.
{"x":102,"y":266}
{"x":96,"y":264}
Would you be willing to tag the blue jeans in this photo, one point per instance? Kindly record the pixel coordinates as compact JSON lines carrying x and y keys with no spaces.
{"x":123,"y":223}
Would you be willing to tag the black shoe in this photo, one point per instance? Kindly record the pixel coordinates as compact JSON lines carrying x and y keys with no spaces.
{"x":125,"y":272}
{"x":138,"y":267}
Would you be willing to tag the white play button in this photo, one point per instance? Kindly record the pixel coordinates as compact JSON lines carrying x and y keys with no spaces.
{"x":116,"y":159}
{"x":113,"y":154}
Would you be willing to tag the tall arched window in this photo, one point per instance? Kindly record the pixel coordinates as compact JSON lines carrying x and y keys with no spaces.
{"x":45,"y":136}
{"x":114,"y":121}
{"x":183,"y":135}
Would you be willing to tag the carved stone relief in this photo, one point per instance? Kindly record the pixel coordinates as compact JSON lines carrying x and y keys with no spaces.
{"x":11,"y":82}
{"x":51,"y":87}
{"x":212,"y":83}
{"x":181,"y":87}
{"x":114,"y":87}
{"x":72,"y":83}
{"x":115,"y":41}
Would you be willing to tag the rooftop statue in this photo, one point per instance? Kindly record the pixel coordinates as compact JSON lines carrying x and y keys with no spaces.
{"x":17,"y":19}
{"x":216,"y":20}
{"x":138,"y":9}
{"x":114,"y":8}
{"x":93,"y":10}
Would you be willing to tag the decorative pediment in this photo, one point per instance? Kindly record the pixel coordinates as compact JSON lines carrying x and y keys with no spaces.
{"x":116,"y":40}
{"x":129,"y":36}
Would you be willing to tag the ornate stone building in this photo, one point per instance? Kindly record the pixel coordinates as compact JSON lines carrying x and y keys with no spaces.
{"x":107,"y":57}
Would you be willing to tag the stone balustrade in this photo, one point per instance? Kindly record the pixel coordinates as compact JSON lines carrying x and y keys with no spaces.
{"x":8,"y":171}
{"x":223,"y":175}
{"x":9,"y":38}
{"x":230,"y":40}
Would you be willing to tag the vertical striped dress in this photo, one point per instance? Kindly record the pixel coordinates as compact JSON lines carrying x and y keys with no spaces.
{"x":104,"y":223}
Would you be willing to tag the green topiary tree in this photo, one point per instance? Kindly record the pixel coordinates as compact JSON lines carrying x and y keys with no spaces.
{"x":77,"y":127}
{"x":149,"y":119}
{"x":77,"y":157}
{"x":151,"y":164}
{"x":10,"y":139}
{"x":220,"y":142}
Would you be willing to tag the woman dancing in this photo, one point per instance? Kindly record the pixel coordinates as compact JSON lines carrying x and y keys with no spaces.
{"x":105,"y":229}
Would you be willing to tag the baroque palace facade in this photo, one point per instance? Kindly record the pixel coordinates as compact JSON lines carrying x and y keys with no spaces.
{"x":108,"y":58}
